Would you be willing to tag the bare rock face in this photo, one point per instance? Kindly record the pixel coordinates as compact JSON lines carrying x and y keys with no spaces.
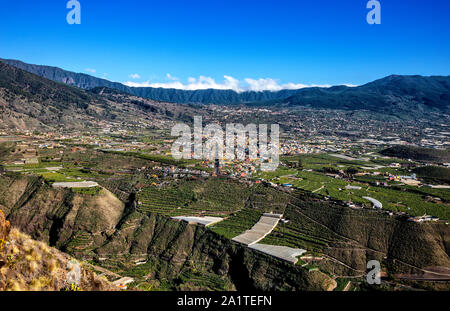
{"x":5,"y":227}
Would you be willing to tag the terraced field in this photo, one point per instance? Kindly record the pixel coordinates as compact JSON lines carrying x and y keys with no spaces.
{"x":213,"y":197}
{"x":237,"y":223}
{"x":262,"y":199}
{"x":80,"y":241}
{"x":395,"y":198}
{"x":300,"y":232}
{"x":170,"y":202}
{"x":266,"y":199}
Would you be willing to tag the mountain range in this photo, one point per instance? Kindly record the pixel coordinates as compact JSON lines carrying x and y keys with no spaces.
{"x":211,"y":96}
{"x":392,"y":94}
{"x":40,"y":96}
{"x":28,"y":101}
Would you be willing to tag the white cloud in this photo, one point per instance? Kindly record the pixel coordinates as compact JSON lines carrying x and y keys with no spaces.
{"x":272,"y":85}
{"x":90,"y":70}
{"x":293,"y":86}
{"x":135,"y":76}
{"x":263,"y":85}
{"x":170,"y":77}
{"x":202,"y":83}
{"x":229,"y":83}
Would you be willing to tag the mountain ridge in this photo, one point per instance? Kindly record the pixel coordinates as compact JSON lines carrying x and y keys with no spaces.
{"x":207,"y":96}
{"x":402,"y":97}
{"x":389,"y":93}
{"x":31,"y":101}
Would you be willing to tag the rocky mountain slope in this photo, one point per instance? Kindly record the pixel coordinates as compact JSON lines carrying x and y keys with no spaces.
{"x":29,"y":265}
{"x":28,"y":101}
{"x":176,"y":255}
{"x":402,"y":95}
{"x":85,"y":81}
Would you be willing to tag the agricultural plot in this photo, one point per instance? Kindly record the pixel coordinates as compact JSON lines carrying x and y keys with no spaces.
{"x":76,"y":185}
{"x":319,"y":161}
{"x":322,"y":161}
{"x":427,"y":191}
{"x":63,"y":171}
{"x":261,"y":229}
{"x":171,"y":202}
{"x":80,"y":241}
{"x":33,"y":168}
{"x":406,"y":199}
{"x":83,"y":173}
{"x":281,"y":252}
{"x":267,"y":200}
{"x":237,"y":223}
{"x":209,"y":198}
{"x":54,"y":177}
{"x":93,"y":191}
{"x":69,"y":175}
{"x":193,"y":278}
{"x":300,"y":232}
{"x":53,"y":171}
{"x":203,"y":221}
{"x":165,"y":159}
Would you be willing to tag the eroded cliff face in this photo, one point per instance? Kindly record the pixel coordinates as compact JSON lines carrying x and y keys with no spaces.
{"x":172,"y":247}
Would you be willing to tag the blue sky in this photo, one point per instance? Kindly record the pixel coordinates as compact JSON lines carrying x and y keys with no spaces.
{"x":270,"y":43}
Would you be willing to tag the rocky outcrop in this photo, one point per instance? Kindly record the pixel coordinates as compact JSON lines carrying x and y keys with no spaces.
{"x":29,"y":265}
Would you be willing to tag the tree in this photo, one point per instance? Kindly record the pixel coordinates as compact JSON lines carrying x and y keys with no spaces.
{"x":351,"y":171}
{"x":330,"y":169}
{"x":195,"y":197}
